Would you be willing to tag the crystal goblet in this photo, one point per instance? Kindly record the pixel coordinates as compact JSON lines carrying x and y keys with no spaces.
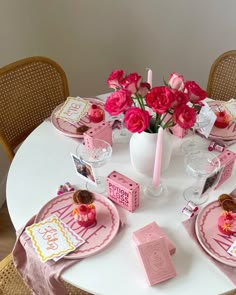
{"x":205,"y":166}
{"x":191,"y":145}
{"x":97,"y":155}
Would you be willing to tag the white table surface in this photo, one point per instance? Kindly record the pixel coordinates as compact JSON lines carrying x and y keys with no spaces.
{"x":43,"y":162}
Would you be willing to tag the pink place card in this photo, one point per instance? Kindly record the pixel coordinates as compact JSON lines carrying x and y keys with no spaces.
{"x":156,"y":261}
{"x":73,"y":109}
{"x":152,"y":232}
{"x":50,"y":239}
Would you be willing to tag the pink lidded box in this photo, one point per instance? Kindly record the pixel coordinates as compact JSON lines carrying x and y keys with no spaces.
{"x":227,"y":159}
{"x":152,"y":232}
{"x":100,"y":130}
{"x":123,"y":191}
{"x":156,"y":261}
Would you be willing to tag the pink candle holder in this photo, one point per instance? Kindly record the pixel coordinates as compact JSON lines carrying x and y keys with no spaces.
{"x":85,"y":214}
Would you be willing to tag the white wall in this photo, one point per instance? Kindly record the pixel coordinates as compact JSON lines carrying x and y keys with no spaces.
{"x":90,"y":38}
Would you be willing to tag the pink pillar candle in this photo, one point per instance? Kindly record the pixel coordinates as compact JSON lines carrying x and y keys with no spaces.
{"x":158,"y":157}
{"x":149,"y":77}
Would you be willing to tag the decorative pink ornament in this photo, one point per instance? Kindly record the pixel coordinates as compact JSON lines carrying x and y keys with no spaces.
{"x":222,"y":119}
{"x":85,"y":214}
{"x":96,"y":113}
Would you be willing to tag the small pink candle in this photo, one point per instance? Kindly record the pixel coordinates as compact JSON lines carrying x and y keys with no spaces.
{"x":149,"y":77}
{"x":158,"y":157}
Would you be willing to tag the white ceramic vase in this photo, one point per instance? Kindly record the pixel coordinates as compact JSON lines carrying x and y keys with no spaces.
{"x":143,"y":150}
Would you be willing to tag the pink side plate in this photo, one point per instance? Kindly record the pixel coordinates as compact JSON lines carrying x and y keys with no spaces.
{"x":228,"y":133}
{"x":211,"y":239}
{"x":68,"y":129}
{"x":97,"y":236}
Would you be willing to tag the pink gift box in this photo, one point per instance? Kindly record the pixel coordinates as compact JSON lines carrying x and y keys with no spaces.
{"x":227,"y":160}
{"x":156,"y":261}
{"x":100,"y":130}
{"x":123,"y":191}
{"x":152,"y":232}
{"x":179,"y":131}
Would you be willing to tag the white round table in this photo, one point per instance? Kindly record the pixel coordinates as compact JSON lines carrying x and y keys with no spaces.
{"x":43,"y":162}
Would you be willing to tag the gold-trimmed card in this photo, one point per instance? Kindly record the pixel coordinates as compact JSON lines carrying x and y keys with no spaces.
{"x":73,"y":109}
{"x":50,"y":239}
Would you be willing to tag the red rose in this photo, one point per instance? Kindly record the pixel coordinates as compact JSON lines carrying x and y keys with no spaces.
{"x":195,"y":92}
{"x":132,"y":82}
{"x":144,"y":89}
{"x":184,"y":116}
{"x":136,"y":119}
{"x":115,"y":79}
{"x":160,"y":99}
{"x":118,"y":102}
{"x":176,"y":81}
{"x":179,"y":98}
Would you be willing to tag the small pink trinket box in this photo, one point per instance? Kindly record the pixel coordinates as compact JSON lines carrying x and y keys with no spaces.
{"x":152,"y":232}
{"x":156,"y":261}
{"x":100,"y":130}
{"x":123,"y":191}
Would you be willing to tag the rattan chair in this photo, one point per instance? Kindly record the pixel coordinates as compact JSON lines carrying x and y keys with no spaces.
{"x":29,"y":90}
{"x":222,"y":77}
{"x":12,"y":284}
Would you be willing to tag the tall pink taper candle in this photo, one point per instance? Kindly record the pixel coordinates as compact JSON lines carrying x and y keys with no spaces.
{"x":149,"y":77}
{"x":158,"y":157}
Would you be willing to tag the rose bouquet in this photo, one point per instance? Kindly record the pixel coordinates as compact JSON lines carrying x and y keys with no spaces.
{"x":146,"y":108}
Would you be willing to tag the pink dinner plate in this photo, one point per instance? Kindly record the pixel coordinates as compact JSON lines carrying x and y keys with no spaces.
{"x":68,"y":129}
{"x":228,"y":133}
{"x":211,"y":239}
{"x":97,"y":236}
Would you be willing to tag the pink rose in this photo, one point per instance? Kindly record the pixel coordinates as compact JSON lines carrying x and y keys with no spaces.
{"x":184,"y":116}
{"x":176,"y":81}
{"x":118,"y":102}
{"x":132,"y":82}
{"x":160,"y":99}
{"x":136,"y":119}
{"x":179,"y":98}
{"x":144,"y":89}
{"x":195,"y":92}
{"x":115,"y":79}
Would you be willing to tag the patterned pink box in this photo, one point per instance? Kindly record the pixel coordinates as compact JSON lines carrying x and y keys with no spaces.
{"x":152,"y":232}
{"x":227,"y":159}
{"x":101,"y":130}
{"x":156,"y":261}
{"x":123,"y":191}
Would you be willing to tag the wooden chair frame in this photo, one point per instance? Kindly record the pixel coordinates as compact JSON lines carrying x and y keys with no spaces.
{"x":10,"y":145}
{"x":225,"y":67}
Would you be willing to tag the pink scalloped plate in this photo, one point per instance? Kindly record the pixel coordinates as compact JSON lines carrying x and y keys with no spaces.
{"x":97,"y":236}
{"x":68,"y":129}
{"x":228,"y":133}
{"x":211,"y":239}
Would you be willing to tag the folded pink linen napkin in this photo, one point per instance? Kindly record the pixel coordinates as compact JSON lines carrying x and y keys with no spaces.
{"x":229,"y":271}
{"x":41,"y":278}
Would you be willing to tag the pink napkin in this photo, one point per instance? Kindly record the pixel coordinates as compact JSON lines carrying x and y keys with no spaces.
{"x":229,"y":271}
{"x":42,"y":278}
